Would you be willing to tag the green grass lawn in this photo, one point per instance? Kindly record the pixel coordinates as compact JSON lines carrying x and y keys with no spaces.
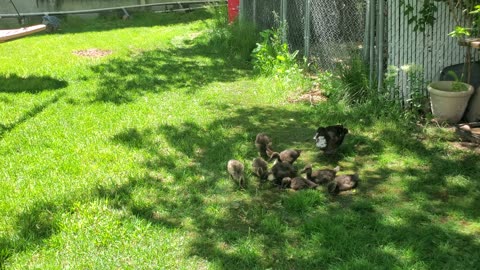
{"x":119,"y":162}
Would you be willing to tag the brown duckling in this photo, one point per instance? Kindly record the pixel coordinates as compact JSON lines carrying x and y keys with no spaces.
{"x":260,"y":168}
{"x":343,"y":183}
{"x":289,"y":155}
{"x":320,"y":176}
{"x":236,"y":171}
{"x":263,"y":143}
{"x":330,"y":138}
{"x":281,"y":170}
{"x":297,"y":183}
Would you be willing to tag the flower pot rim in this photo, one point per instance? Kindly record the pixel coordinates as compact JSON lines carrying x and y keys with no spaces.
{"x":442,"y":88}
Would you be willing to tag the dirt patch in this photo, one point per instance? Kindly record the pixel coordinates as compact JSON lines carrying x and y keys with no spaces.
{"x":94,"y":53}
{"x":313,"y":96}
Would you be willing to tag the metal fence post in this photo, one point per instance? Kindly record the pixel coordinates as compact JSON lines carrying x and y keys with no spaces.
{"x":308,"y":18}
{"x":241,"y":11}
{"x":366,"y":35}
{"x":283,"y":20}
{"x":372,"y":41}
{"x":380,"y":37}
{"x":254,"y":12}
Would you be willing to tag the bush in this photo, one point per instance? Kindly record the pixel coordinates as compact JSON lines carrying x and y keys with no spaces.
{"x":272,"y":57}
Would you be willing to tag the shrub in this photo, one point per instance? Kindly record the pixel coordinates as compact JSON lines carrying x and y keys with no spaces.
{"x":272,"y":56}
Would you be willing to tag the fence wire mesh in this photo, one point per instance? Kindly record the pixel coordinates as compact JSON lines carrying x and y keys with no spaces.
{"x":261,"y":13}
{"x":325,"y":31}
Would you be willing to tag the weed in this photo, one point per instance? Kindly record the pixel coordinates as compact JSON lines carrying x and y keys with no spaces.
{"x":417,"y":102}
{"x":272,"y":56}
{"x":356,"y":86}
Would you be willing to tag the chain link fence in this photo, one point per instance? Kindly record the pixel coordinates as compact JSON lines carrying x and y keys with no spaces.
{"x":324,"y":31}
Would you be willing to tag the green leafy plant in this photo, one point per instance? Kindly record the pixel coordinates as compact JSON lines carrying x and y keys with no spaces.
{"x":389,"y":82}
{"x":272,"y":56}
{"x":466,"y":14}
{"x":327,"y":82}
{"x":417,"y":102}
{"x":457,"y":85}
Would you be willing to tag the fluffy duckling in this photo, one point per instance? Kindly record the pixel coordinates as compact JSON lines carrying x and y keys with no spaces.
{"x":263,"y":143}
{"x":320,"y":176}
{"x":297,"y":183}
{"x":260,"y":168}
{"x":289,"y":155}
{"x":343,"y":183}
{"x":236,"y":171}
{"x":330,"y":138}
{"x":281,"y":170}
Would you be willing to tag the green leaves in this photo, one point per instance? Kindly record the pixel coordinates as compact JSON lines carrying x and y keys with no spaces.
{"x":424,"y":15}
{"x":459,"y":32}
{"x":272,"y":56}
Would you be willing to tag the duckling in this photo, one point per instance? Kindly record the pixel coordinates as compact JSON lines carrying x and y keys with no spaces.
{"x":330,"y":138}
{"x":260,"y":168}
{"x":263,"y":144}
{"x":281,"y":170}
{"x":343,"y":183}
{"x":297,"y":183}
{"x":289,"y":155}
{"x":236,"y":171}
{"x":320,"y":176}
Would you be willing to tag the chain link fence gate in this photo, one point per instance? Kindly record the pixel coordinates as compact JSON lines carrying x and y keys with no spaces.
{"x":324,"y":31}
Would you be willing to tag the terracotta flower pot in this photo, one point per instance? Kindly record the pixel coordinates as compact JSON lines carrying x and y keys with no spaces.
{"x":449,"y":100}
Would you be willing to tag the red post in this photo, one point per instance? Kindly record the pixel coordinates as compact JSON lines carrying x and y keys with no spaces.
{"x":233,"y":8}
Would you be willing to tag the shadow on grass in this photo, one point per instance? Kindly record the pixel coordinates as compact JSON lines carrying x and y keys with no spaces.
{"x":187,"y":67}
{"x":449,"y":180}
{"x":32,"y":84}
{"x":264,"y":227}
{"x":35,"y":110}
{"x":39,"y":222}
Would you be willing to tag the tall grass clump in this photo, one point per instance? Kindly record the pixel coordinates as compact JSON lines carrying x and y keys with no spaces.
{"x":354,"y":76}
{"x":236,"y":39}
{"x":354,"y":88}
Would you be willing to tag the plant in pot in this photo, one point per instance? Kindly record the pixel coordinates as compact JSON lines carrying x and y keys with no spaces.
{"x":449,"y":98}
